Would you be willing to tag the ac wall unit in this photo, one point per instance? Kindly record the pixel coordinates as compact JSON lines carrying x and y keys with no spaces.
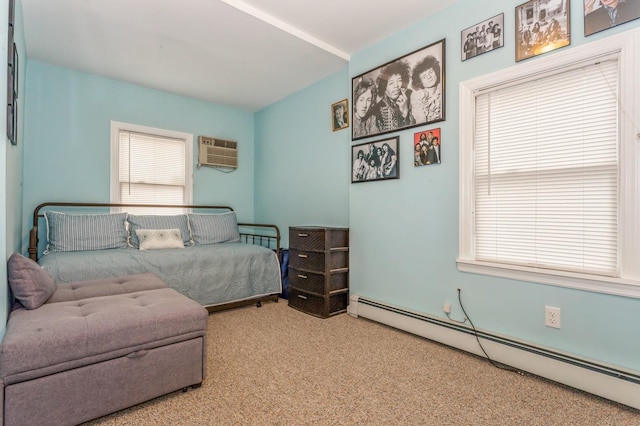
{"x":217,"y":152}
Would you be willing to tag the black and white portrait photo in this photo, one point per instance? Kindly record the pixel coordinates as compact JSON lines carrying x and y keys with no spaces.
{"x":339,"y":115}
{"x":542,"y":26}
{"x":600,"y":15}
{"x":483,"y":37}
{"x":375,"y":160}
{"x":406,"y":92}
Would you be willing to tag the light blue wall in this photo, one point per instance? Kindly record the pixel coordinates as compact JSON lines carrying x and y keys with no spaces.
{"x":302,"y":165}
{"x":67,"y":141}
{"x":416,"y":218}
{"x":11,"y":160}
{"x":404,"y":233}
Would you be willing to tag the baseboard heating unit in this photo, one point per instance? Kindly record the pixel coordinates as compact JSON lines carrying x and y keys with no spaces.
{"x":607,"y":381}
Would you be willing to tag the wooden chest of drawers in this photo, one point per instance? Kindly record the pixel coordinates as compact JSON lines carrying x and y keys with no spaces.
{"x":319,"y":270}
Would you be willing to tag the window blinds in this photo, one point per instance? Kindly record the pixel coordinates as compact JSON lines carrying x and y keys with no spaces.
{"x":151,"y":169}
{"x":546,"y":171}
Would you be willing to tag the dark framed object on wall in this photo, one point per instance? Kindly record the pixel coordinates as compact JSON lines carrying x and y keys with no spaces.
{"x":427,"y":147}
{"x":340,"y":115}
{"x":16,"y":74}
{"x":482,"y":37}
{"x":378,"y":160}
{"x":604,"y":14}
{"x":406,"y":92}
{"x":12,"y":81}
{"x":542,"y":26}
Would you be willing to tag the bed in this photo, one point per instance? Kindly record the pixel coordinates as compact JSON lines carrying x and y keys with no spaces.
{"x":215,"y":260}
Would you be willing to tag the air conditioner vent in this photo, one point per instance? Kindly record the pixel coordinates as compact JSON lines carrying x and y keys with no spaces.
{"x":217,"y":152}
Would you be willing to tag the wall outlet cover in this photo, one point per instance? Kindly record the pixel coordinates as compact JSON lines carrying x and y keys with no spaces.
{"x":552,"y":316}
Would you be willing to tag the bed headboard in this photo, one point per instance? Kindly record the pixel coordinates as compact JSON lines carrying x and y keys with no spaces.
{"x":266,"y":235}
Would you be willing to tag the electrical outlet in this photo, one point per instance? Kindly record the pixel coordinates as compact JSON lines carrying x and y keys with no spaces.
{"x":552,"y":317}
{"x":447,"y":308}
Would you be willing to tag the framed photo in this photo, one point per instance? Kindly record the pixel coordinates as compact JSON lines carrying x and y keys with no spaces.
{"x":12,"y":79}
{"x":12,"y":82}
{"x":482,"y":37}
{"x":15,"y":71}
{"x":427,"y":147}
{"x":542,"y":26}
{"x":340,"y":115}
{"x":377,"y":160}
{"x":600,"y":15}
{"x":403,"y":93}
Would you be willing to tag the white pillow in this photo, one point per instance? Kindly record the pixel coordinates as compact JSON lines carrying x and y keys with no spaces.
{"x":152,"y":239}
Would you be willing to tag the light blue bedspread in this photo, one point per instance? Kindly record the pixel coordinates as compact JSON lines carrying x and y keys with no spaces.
{"x":209,"y":274}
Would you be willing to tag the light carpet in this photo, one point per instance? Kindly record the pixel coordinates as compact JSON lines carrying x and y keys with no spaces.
{"x":275,"y":365}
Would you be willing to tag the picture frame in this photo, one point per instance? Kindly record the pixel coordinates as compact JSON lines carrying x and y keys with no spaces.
{"x":15,"y":71}
{"x":482,"y":37}
{"x":16,"y":74}
{"x":542,"y":26}
{"x":12,"y":79}
{"x":12,"y":98}
{"x":377,"y":160}
{"x":340,"y":115}
{"x":427,"y":147}
{"x":406,"y":92}
{"x":597,"y":18}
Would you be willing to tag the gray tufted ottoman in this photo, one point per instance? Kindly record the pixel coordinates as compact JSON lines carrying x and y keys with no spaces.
{"x":100,"y":346}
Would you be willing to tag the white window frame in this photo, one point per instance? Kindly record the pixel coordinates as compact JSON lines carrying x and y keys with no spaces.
{"x":117,"y":127}
{"x":627,"y":46}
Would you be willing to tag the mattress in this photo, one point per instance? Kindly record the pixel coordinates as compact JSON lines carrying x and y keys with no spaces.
{"x":209,"y":274}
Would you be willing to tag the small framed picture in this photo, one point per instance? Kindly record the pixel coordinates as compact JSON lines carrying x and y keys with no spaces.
{"x":542,"y":26}
{"x":426,"y":147}
{"x":12,"y":95}
{"x":600,"y":15}
{"x":340,"y":115}
{"x":375,"y":160}
{"x":15,"y":71}
{"x":482,"y":37}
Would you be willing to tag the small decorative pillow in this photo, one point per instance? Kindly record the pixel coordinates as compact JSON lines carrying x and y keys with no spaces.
{"x":179,"y":221}
{"x":76,"y":232}
{"x":29,"y":282}
{"x":152,"y":239}
{"x":214,"y":228}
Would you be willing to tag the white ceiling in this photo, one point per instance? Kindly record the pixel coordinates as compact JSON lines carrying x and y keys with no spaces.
{"x":245,"y":54}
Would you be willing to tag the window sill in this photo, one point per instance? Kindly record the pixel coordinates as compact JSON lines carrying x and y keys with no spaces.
{"x":592,"y":283}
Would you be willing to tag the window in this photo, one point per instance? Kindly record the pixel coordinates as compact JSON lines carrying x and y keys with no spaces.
{"x":150,"y":166}
{"x":548,"y":171}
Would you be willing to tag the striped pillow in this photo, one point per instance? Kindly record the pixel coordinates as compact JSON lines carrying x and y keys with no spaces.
{"x":75,"y":232}
{"x":179,"y":221}
{"x":214,"y":228}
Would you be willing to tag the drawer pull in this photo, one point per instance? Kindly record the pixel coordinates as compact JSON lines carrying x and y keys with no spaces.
{"x":303,"y":235}
{"x":302,"y":297}
{"x":302,"y":256}
{"x":302,"y":276}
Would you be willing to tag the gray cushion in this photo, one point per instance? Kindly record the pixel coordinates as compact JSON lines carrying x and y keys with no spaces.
{"x":106,"y":287}
{"x":76,"y":232}
{"x":66,"y":332}
{"x":214,"y":228}
{"x":30,"y":284}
